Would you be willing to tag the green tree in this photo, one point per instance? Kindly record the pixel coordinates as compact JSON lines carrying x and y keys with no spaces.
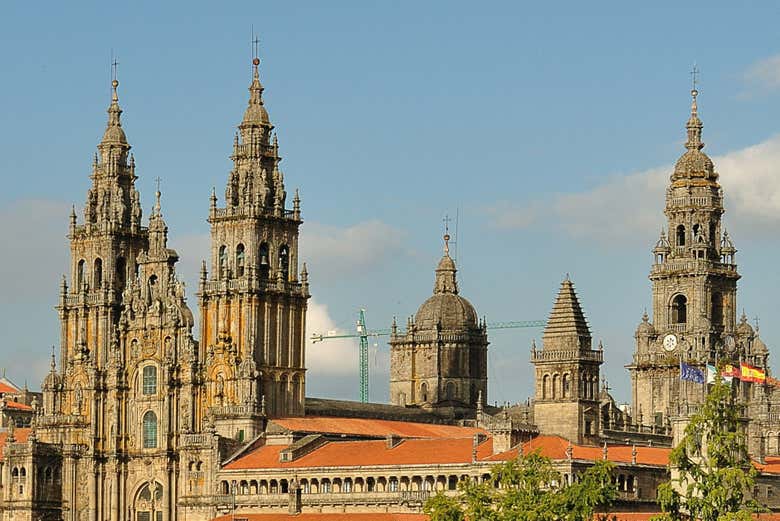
{"x":527,"y":489}
{"x":712,"y":476}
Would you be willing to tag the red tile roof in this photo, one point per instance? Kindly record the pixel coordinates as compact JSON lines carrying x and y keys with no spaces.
{"x":554,"y":447}
{"x":16,"y":405}
{"x":19,"y":434}
{"x":368,"y":452}
{"x":377,"y":516}
{"x":376,"y":428}
{"x":7,"y":387}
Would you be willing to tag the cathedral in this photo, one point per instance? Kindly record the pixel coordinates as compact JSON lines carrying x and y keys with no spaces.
{"x":138,"y":420}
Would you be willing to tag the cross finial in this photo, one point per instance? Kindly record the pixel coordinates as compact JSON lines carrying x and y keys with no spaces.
{"x":255,"y":45}
{"x":695,"y":77}
{"x":757,"y":323}
{"x":114,"y":68}
{"x":157,"y":180}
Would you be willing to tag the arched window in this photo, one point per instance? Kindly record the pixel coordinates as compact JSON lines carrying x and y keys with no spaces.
{"x":150,"y":430}
{"x":121,"y":271}
{"x":150,"y":380}
{"x":240,"y":260}
{"x":545,"y":387}
{"x":555,"y":384}
{"x":717,"y":309}
{"x":680,"y":235}
{"x":424,"y":392}
{"x":222,"y":261}
{"x":566,"y":381}
{"x":264,"y":262}
{"x":679,"y":309}
{"x":80,"y":275}
{"x":450,"y":390}
{"x":98,"y":272}
{"x":284,"y":260}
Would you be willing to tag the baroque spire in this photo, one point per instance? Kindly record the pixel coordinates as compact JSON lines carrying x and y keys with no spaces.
{"x":114,"y":135}
{"x":694,"y":163}
{"x":446,"y":281}
{"x":255,"y":112}
{"x":694,"y":125}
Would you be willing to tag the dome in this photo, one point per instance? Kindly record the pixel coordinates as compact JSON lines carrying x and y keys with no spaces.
{"x":759,"y":347}
{"x":446,"y":309}
{"x":114,"y":134}
{"x":449,"y":310}
{"x":645,"y":328}
{"x":694,"y":163}
{"x":256,"y":113}
{"x":744,"y":328}
{"x":52,"y":380}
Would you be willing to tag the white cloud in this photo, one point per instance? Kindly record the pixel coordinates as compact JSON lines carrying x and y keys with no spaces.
{"x":332,"y":251}
{"x":508,"y":216}
{"x":331,"y":356}
{"x":764,"y":75}
{"x":632,"y":205}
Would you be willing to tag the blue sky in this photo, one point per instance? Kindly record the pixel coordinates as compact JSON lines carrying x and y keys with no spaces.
{"x":549,"y":127}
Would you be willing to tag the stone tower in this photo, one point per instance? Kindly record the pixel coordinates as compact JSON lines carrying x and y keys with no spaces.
{"x":694,"y":283}
{"x":253,"y":301}
{"x":442,"y":357}
{"x":126,"y":386}
{"x":567,"y":373}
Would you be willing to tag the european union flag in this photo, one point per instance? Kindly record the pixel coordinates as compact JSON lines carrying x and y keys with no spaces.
{"x":690,"y":373}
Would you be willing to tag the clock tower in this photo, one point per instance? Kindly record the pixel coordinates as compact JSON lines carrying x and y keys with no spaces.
{"x":694,"y":282}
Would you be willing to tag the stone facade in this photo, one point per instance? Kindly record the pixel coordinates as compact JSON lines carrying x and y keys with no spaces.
{"x":253,"y":306}
{"x":142,"y":422}
{"x":441,"y":359}
{"x":567,"y":373}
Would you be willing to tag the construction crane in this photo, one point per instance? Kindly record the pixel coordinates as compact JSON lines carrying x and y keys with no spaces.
{"x":363,"y":333}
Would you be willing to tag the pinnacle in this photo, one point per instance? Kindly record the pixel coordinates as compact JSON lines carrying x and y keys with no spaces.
{"x":566,"y":317}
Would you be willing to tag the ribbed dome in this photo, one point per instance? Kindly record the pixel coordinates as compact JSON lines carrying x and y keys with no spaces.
{"x":52,"y":381}
{"x":695,"y":163}
{"x":449,"y":310}
{"x":114,"y":135}
{"x":744,"y":328}
{"x":256,"y":114}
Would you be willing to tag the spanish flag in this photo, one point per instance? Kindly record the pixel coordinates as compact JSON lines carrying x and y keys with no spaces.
{"x":752,"y":374}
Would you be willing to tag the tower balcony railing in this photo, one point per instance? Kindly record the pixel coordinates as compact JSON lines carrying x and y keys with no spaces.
{"x":555,"y":355}
{"x":691,"y":266}
{"x":679,"y":328}
{"x":246,"y":284}
{"x":707,"y":201}
{"x":228,"y":411}
{"x":250,"y":210}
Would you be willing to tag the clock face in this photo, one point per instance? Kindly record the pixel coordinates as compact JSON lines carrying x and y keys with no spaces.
{"x":670,"y":342}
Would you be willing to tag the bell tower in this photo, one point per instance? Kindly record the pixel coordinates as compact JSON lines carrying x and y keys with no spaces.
{"x":104,"y":249}
{"x":694,"y":282}
{"x":567,"y":372}
{"x":253,"y":300}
